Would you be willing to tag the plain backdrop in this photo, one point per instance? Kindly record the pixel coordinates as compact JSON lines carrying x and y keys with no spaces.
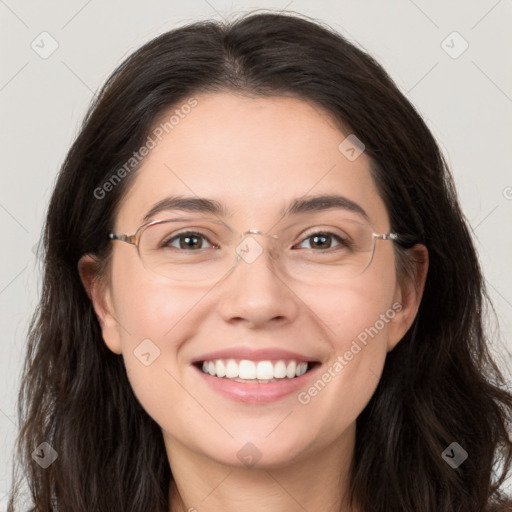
{"x":451,"y":59}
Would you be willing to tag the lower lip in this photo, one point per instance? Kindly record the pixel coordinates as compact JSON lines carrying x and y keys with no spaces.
{"x":255,"y":392}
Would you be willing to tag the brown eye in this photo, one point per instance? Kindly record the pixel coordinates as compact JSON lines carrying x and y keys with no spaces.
{"x":188,"y":240}
{"x":323,"y":240}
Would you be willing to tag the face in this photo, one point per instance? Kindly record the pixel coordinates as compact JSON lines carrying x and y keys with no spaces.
{"x":255,"y":156}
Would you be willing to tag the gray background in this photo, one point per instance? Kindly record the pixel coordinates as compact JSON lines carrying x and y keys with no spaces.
{"x":466,"y":100}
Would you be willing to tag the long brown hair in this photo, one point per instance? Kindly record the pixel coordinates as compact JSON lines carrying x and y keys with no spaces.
{"x":439,"y":384}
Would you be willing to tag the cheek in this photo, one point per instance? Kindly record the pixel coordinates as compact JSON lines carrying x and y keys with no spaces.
{"x":159,"y":319}
{"x":347,"y":310}
{"x":154,"y":316}
{"x":356,"y":319}
{"x":355,"y":326}
{"x":346,"y":382}
{"x":147,"y":306}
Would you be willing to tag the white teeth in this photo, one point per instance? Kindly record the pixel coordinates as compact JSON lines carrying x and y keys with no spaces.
{"x":231,"y":369}
{"x":251,"y":370}
{"x":246,"y":370}
{"x":265,"y":370}
{"x":220,"y":368}
{"x":290,"y":369}
{"x":280,"y":370}
{"x":302,"y":368}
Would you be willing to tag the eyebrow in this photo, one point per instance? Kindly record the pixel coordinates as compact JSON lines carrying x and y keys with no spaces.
{"x":296,"y":207}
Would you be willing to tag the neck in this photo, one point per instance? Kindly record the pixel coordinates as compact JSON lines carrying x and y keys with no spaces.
{"x":316,"y":483}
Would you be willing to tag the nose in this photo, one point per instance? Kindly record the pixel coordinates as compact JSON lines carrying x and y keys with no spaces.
{"x":256,"y":292}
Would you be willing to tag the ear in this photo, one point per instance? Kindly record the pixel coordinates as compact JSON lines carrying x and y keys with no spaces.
{"x":408,"y":294}
{"x":101,"y":297}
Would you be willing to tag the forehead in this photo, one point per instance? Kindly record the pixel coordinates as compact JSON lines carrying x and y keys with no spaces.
{"x":255,"y":156}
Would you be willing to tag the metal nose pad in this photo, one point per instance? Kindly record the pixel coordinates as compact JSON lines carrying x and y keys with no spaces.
{"x":249,"y":249}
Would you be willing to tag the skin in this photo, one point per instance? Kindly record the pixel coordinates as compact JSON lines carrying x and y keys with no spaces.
{"x":255,"y":155}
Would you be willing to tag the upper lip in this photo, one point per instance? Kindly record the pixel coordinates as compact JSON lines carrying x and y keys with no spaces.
{"x":253,"y":354}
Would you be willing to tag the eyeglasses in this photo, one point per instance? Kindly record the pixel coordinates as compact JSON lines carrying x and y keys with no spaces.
{"x":204,"y":249}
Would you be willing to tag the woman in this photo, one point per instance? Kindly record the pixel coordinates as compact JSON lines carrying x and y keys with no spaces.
{"x":260,"y":293}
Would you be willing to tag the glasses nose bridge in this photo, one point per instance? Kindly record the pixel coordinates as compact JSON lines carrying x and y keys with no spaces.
{"x":273,"y":237}
{"x":249,"y":252}
{"x":258,"y":232}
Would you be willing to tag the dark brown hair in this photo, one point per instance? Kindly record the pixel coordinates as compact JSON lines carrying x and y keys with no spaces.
{"x":439,"y":384}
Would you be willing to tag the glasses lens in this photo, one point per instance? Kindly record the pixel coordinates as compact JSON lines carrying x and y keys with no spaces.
{"x":338,"y":249}
{"x":188,"y":249}
{"x":205,"y":250}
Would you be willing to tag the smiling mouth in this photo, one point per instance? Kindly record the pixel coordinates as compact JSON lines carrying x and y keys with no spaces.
{"x":262,"y":372}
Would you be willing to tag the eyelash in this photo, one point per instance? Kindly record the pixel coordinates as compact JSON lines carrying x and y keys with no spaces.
{"x":342,"y":242}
